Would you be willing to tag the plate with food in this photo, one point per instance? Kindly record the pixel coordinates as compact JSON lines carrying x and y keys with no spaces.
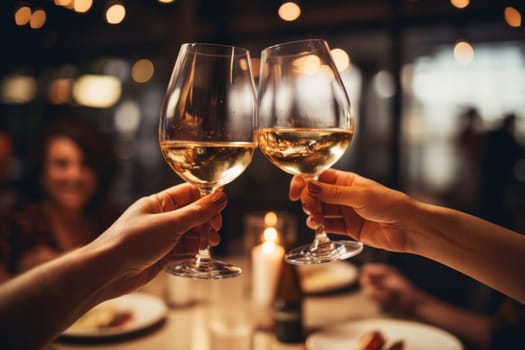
{"x":326,"y":278}
{"x":383,"y":334}
{"x":119,"y":316}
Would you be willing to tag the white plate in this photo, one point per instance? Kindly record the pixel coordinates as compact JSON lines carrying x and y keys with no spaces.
{"x":322,"y":278}
{"x":146,"y":310}
{"x":416,"y":336}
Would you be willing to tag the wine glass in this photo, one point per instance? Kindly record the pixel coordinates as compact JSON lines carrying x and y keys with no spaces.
{"x":305,"y":126}
{"x":206,"y":130}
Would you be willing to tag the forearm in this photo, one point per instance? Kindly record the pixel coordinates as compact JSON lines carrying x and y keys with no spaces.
{"x":476,"y":329}
{"x":36,"y":303}
{"x":489,"y":253}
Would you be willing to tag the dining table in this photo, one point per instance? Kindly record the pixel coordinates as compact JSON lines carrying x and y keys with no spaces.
{"x":186,"y":322}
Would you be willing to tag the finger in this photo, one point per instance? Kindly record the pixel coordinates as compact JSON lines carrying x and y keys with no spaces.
{"x":216,"y":222}
{"x":330,"y":176}
{"x":297,"y":185}
{"x":192,"y":215}
{"x":356,"y":195}
{"x":175,"y":197}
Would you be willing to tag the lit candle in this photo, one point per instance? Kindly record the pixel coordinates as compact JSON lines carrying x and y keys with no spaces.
{"x":266,"y":265}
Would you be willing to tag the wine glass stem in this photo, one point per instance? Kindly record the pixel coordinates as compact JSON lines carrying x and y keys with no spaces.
{"x":203,"y":256}
{"x":321,"y":240}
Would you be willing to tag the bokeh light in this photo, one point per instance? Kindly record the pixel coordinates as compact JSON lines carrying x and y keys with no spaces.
{"x":460,"y":4}
{"x":22,"y":16}
{"x":341,"y":59}
{"x":115,"y":14}
{"x":142,"y":70}
{"x":17,"y":89}
{"x":38,"y":19}
{"x":289,"y":11}
{"x":100,"y":91}
{"x":82,"y":6}
{"x":512,"y":16}
{"x":463,"y":52}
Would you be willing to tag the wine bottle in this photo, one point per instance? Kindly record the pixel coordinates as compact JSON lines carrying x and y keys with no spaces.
{"x":288,"y":306}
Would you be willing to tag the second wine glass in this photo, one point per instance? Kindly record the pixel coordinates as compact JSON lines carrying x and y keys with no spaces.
{"x":305,"y":126}
{"x":206,"y":130}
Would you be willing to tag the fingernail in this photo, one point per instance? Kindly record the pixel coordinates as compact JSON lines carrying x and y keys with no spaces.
{"x":219,"y":198}
{"x":314,"y":187}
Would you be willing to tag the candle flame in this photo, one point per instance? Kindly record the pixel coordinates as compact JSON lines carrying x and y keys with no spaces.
{"x":270,"y":234}
{"x":268,"y":247}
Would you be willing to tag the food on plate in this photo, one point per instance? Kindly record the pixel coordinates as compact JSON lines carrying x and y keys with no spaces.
{"x":375,"y":340}
{"x":372,"y":340}
{"x":398,"y":345}
{"x":101,"y":317}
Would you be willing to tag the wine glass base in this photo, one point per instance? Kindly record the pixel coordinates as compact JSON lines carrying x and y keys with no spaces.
{"x":213,"y":270}
{"x":332,"y":251}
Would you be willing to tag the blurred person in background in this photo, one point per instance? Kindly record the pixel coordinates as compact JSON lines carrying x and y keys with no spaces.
{"x":501,"y":152}
{"x":63,"y":204}
{"x":469,"y":142}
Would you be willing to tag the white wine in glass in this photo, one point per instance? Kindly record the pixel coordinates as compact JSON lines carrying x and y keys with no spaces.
{"x":305,"y":125}
{"x":206,"y":130}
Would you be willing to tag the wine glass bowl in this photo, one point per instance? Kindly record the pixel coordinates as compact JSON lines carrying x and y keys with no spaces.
{"x":206,"y":130}
{"x":305,"y":124}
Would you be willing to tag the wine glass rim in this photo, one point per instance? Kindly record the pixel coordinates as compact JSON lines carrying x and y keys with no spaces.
{"x":222,"y":49}
{"x":318,"y":41}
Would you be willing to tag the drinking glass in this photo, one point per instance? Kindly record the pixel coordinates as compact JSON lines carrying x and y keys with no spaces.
{"x":206,"y":130}
{"x":305,"y":126}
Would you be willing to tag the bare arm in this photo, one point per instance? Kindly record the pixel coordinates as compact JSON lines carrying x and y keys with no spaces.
{"x":384,"y":218}
{"x":487,"y":252}
{"x":152,"y":232}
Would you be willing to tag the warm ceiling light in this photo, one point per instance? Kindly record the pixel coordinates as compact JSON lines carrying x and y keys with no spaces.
{"x":38,"y":19}
{"x":460,"y":4}
{"x":142,"y":70}
{"x":82,"y":6}
{"x":289,"y":11}
{"x":101,"y":91}
{"x":115,"y":14}
{"x":463,"y":52}
{"x":166,"y":1}
{"x":341,"y":59}
{"x":22,"y":16}
{"x":512,"y":17}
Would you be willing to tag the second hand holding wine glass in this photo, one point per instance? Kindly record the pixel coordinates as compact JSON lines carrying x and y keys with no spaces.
{"x":206,"y":130}
{"x":305,"y":126}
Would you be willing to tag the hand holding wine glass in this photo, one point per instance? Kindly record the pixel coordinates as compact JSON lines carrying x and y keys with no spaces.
{"x":206,"y":130}
{"x":305,"y":126}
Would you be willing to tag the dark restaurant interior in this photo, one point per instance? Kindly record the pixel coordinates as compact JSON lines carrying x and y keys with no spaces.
{"x":433,"y":86}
